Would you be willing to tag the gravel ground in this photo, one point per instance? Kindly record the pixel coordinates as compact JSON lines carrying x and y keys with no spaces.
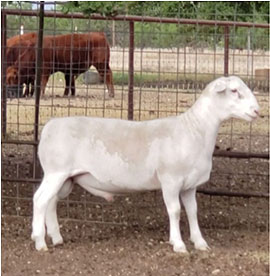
{"x":110,"y":250}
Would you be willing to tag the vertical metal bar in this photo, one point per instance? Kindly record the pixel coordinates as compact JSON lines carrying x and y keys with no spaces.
{"x":3,"y":79}
{"x":131,"y":70}
{"x":226,"y":50}
{"x":141,"y":69}
{"x":248,"y":53}
{"x":38,"y":75}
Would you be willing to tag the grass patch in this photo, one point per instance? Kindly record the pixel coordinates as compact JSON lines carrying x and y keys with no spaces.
{"x":151,"y":78}
{"x":148,"y":79}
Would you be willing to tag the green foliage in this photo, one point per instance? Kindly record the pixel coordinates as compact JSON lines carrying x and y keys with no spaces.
{"x":104,"y":8}
{"x":219,"y":10}
{"x":156,"y":34}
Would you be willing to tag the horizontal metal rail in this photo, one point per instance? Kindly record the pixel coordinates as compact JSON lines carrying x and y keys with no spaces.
{"x":240,"y":154}
{"x":66,"y":220}
{"x":20,"y":142}
{"x":232,"y":194}
{"x":202,"y":191}
{"x":133,"y":18}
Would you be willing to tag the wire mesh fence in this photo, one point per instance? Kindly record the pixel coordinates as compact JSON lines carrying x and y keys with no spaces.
{"x":158,"y":70}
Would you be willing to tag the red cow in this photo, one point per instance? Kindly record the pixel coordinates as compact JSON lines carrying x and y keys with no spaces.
{"x":71,"y":54}
{"x":16,"y":45}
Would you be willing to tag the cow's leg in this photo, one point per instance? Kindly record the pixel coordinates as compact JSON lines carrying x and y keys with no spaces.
{"x":170,"y":190}
{"x":51,"y":221}
{"x":67,"y":80}
{"x":72,"y":88}
{"x":104,"y":70}
{"x":26,"y":91}
{"x":44,"y":81}
{"x":50,"y":186}
{"x":32,"y":91}
{"x":189,"y":200}
{"x":70,"y":85}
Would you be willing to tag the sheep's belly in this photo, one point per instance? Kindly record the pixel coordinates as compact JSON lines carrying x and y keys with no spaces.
{"x":90,"y":183}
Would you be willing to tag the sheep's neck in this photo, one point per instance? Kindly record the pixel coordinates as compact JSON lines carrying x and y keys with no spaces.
{"x":203,"y":122}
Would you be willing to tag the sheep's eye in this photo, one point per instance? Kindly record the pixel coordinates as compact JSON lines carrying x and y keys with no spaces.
{"x":236,"y":91}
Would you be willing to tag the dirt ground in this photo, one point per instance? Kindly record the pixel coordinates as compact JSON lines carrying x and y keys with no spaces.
{"x":114,"y":250}
{"x":129,"y":237}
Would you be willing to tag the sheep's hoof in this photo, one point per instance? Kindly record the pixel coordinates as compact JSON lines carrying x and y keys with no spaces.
{"x":179,"y":247}
{"x":40,"y":245}
{"x":203,"y":246}
{"x":43,"y":249}
{"x":57,"y":241}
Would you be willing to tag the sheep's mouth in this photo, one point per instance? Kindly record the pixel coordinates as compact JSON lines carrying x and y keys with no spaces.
{"x":253,"y":117}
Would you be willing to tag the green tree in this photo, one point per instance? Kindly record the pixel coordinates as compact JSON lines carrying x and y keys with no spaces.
{"x":155,"y":34}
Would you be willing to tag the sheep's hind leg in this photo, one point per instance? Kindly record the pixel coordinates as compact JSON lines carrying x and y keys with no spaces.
{"x":189,"y":200}
{"x":51,"y":221}
{"x":47,"y":191}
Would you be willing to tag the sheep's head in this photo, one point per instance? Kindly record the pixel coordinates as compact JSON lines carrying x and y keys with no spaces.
{"x":12,"y":76}
{"x":233,"y":98}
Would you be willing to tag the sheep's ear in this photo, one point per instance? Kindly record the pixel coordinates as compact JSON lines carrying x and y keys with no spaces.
{"x":220,"y":86}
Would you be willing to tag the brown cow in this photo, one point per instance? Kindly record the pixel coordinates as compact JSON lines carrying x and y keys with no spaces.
{"x":16,"y":46}
{"x":71,"y":54}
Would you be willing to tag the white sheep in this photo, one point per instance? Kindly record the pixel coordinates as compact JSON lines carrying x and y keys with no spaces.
{"x":112,"y":156}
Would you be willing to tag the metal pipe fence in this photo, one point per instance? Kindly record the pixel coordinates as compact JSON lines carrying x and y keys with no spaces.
{"x":150,"y":82}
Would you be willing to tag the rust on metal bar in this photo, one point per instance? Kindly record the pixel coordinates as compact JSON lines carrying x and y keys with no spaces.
{"x":3,"y":78}
{"x":134,"y":18}
{"x":20,"y":142}
{"x":239,"y":154}
{"x":38,"y":82}
{"x":232,"y":194}
{"x":226,"y":50}
{"x":131,"y":71}
{"x":21,"y":180}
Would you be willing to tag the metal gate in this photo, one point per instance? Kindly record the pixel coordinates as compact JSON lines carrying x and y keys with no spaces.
{"x":150,"y":82}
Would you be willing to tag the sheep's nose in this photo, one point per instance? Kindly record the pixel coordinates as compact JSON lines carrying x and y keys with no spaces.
{"x":256,"y":111}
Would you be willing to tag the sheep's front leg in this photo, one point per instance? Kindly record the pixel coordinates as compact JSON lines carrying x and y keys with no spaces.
{"x":189,"y":200}
{"x":170,"y":191}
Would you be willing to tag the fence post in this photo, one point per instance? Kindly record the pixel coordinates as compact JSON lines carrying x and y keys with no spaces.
{"x":38,"y":74}
{"x":3,"y":79}
{"x":131,"y":70}
{"x":226,"y":50}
